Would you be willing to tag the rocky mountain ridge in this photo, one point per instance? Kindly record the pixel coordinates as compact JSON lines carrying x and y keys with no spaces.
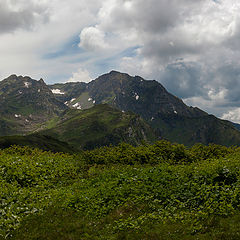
{"x":166,"y":113}
{"x":26,"y":104}
{"x":147,"y":98}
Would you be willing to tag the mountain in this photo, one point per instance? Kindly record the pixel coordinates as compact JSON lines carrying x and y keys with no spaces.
{"x":144,"y":97}
{"x":26,"y":104}
{"x":166,"y":113}
{"x":77,"y":114}
{"x":66,"y":92}
{"x":236,"y":125}
{"x":30,"y":108}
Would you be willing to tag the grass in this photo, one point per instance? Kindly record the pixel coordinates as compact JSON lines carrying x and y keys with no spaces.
{"x":82,"y":129}
{"x":83,"y":99}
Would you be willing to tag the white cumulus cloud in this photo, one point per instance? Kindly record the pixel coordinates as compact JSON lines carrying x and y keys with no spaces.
{"x":82,"y":75}
{"x":93,"y":39}
{"x":233,"y":115}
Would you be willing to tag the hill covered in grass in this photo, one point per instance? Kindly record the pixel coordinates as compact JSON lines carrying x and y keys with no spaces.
{"x":43,"y":142}
{"x":75,"y":130}
{"x":160,"y":191}
{"x":98,"y":126}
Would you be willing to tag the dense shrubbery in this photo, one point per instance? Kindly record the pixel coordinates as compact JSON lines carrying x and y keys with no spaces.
{"x":160,"y":152}
{"x":149,"y":191}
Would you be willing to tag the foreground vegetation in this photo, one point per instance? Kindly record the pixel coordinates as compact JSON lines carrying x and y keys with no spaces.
{"x":160,"y":191}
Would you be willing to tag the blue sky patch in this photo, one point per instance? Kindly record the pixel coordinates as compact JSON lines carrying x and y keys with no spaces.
{"x":70,"y":48}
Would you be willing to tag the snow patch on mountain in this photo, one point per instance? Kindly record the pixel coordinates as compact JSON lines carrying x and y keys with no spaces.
{"x":57,"y":91}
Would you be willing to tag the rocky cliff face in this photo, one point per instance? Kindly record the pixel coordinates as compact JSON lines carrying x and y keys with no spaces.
{"x":144,"y":97}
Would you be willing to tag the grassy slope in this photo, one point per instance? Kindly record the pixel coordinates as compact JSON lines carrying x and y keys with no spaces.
{"x":8,"y":127}
{"x":205,"y":130}
{"x":99,"y":126}
{"x":43,"y":142}
{"x":76,"y":129}
{"x":25,"y":108}
{"x":66,"y":197}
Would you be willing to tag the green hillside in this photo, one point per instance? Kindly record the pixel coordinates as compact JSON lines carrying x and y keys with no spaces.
{"x":43,"y":142}
{"x":99,"y":126}
{"x":189,"y":131}
{"x":75,"y":130}
{"x":10,"y":127}
{"x":29,"y":106}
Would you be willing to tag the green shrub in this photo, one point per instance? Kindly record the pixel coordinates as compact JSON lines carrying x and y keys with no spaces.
{"x":119,"y":192}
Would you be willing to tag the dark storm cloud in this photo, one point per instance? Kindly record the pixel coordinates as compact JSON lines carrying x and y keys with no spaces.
{"x":221,"y":85}
{"x":205,"y":36}
{"x":166,"y":49}
{"x":148,"y":16}
{"x":152,"y":16}
{"x":183,"y":79}
{"x":230,"y":80}
{"x":25,"y":17}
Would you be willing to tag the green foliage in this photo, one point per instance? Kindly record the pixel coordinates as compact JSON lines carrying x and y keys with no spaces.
{"x":36,"y":140}
{"x":160,"y":191}
{"x":160,"y":152}
{"x":28,"y":178}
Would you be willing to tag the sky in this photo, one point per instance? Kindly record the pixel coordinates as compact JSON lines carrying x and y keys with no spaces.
{"x":191,"y":47}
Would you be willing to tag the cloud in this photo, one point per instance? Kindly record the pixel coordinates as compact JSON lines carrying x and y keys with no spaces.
{"x":183,"y":78}
{"x":82,"y":75}
{"x":233,"y":115}
{"x":24,"y":52}
{"x":21,"y":15}
{"x":93,"y":39}
{"x":191,"y":47}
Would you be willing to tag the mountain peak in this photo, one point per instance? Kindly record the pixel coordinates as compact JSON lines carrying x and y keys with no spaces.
{"x":115,"y":72}
{"x":41,"y":81}
{"x":13,"y":76}
{"x":27,"y":102}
